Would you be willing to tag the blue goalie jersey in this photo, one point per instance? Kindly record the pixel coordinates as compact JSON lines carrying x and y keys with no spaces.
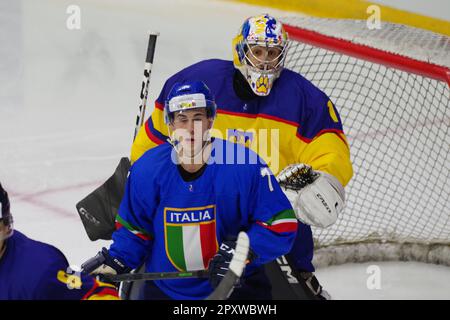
{"x":177,"y":225}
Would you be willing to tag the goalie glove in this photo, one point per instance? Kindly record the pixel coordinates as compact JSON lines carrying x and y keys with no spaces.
{"x":316,"y":197}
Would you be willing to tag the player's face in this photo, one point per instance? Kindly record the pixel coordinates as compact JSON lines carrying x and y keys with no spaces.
{"x":190,"y":128}
{"x":264,"y":58}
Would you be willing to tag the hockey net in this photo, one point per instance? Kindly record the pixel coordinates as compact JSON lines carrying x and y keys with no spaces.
{"x":391,"y":87}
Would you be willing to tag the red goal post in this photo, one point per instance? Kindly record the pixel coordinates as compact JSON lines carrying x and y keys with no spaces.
{"x":391,"y":87}
{"x":361,"y":51}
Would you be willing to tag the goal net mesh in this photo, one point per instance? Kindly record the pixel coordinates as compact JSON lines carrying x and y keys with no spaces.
{"x":397,"y":124}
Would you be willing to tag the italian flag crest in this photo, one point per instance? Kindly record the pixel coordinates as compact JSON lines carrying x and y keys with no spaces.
{"x":190,"y":236}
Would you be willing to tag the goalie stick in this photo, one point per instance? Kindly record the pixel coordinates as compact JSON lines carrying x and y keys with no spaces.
{"x":287,"y":283}
{"x":98,"y":210}
{"x":296,"y":287}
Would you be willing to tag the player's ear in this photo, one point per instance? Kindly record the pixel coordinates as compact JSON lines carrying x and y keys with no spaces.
{"x":2,"y":248}
{"x":171,"y":126}
{"x":210,"y":123}
{"x":3,"y":232}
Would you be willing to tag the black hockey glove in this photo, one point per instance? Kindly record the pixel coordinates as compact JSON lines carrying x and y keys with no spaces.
{"x":104,"y":263}
{"x":220,"y":263}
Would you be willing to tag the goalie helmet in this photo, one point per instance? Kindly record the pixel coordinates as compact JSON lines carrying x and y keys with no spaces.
{"x":260,"y":32}
{"x":6,"y":216}
{"x":189,"y":95}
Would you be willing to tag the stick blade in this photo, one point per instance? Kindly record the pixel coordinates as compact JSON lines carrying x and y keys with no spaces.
{"x":98,"y":210}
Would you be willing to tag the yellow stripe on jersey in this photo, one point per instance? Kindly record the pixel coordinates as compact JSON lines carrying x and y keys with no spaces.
{"x":328,"y":153}
{"x":103,"y":297}
{"x":141,"y":144}
{"x":144,"y":139}
{"x":274,"y":140}
{"x":331,"y":111}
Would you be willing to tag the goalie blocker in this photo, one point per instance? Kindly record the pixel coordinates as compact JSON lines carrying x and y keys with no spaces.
{"x":317,"y":197}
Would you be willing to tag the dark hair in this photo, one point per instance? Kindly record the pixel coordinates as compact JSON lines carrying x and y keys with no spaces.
{"x":5,"y":207}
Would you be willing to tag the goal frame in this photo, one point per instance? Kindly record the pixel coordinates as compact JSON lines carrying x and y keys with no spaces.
{"x":367,"y":53}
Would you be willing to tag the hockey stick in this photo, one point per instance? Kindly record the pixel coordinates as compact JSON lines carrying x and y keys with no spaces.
{"x":98,"y":210}
{"x":223,"y":290}
{"x":127,"y":277}
{"x":237,"y":266}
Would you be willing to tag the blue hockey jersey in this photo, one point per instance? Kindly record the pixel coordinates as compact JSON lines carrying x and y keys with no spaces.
{"x":32,"y":270}
{"x":174,"y":225}
{"x":295,"y":123}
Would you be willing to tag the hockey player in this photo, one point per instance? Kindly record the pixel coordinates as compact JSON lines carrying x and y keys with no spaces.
{"x":32,"y":270}
{"x":186,"y":201}
{"x":263,"y":105}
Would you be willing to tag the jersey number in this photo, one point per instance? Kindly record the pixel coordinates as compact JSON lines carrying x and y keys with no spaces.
{"x":266,"y":172}
{"x":331,"y":111}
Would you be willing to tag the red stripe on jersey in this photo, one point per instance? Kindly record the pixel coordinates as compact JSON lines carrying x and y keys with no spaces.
{"x":151,"y":136}
{"x":106,"y":292}
{"x":304,"y":139}
{"x":90,"y":292}
{"x":280,"y":227}
{"x":338,"y":132}
{"x":208,"y":241}
{"x":138,"y":234}
{"x":142,"y":236}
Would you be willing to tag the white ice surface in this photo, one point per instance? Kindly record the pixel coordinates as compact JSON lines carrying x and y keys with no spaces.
{"x":398,"y":280}
{"x":68,"y":102}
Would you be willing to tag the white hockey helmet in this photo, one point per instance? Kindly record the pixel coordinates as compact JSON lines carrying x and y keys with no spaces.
{"x":260,"y":31}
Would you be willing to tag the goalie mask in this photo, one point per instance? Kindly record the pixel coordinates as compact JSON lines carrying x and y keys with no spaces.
{"x":6,"y":226}
{"x":259,"y":52}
